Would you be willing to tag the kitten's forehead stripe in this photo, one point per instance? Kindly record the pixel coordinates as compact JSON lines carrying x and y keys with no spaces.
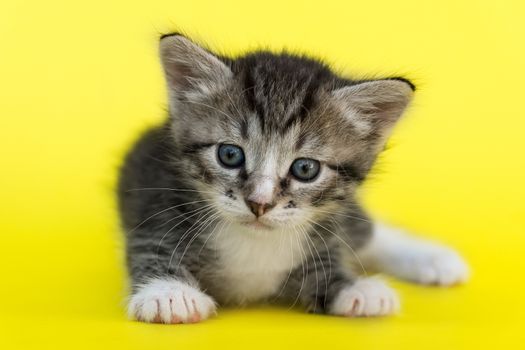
{"x":249,"y":94}
{"x":281,"y":89}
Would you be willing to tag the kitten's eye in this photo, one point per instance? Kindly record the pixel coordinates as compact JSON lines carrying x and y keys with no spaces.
{"x":305,"y":169}
{"x":230,"y":156}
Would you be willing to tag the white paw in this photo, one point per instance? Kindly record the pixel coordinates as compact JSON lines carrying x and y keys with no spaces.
{"x":366,"y":297}
{"x":413,"y":259}
{"x":431,"y":264}
{"x":170,"y":301}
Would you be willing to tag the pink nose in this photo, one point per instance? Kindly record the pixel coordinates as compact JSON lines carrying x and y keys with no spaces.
{"x":259,"y":208}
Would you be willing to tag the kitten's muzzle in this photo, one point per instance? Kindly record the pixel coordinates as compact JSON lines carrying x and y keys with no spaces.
{"x":259,"y":209}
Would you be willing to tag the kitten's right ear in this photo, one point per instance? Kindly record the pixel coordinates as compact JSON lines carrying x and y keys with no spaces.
{"x":375,"y":105}
{"x":190,"y":68}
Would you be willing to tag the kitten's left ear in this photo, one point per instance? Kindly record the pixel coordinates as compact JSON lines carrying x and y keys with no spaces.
{"x":190,"y":68}
{"x":374,"y":106}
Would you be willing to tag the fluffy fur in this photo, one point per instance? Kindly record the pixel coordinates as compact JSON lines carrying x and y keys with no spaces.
{"x":196,"y":230}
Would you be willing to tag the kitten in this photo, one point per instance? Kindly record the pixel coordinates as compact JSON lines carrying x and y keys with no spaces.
{"x":247,"y":192}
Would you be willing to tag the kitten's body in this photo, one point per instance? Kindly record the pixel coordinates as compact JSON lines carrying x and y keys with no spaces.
{"x":253,"y":232}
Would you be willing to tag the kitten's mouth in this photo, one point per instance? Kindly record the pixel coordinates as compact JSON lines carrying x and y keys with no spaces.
{"x":256,"y":224}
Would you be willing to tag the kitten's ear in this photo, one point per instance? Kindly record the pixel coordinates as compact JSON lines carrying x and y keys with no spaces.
{"x":375,"y":106}
{"x":189,"y":67}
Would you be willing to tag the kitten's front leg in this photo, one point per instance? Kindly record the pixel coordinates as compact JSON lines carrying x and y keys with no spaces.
{"x":166,"y":298}
{"x":392,"y":252}
{"x":326,"y":286}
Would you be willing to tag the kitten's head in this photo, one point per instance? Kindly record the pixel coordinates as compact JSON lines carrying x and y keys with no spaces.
{"x":275,"y":140}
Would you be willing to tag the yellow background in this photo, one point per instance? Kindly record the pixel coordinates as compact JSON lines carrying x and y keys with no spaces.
{"x":80,"y":80}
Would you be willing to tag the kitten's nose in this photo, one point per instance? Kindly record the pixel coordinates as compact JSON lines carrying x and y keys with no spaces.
{"x":259,"y":208}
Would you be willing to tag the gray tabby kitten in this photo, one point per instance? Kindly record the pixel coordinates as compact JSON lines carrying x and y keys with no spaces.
{"x":247,"y":192}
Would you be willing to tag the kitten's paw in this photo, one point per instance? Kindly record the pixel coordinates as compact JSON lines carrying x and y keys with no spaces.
{"x":366,"y":297}
{"x":431,"y":264}
{"x":170,"y":301}
{"x":413,"y":259}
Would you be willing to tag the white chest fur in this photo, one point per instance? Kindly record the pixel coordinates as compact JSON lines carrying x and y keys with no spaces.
{"x":254,"y":264}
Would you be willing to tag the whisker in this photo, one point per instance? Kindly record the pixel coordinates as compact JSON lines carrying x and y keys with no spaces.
{"x":327,"y":250}
{"x":345,"y":243}
{"x":169,"y":189}
{"x":211,"y":219}
{"x":220,"y":233}
{"x":211,"y":234}
{"x":197,"y":222}
{"x":185,"y":213}
{"x":165,"y":210}
{"x":329,"y":260}
{"x":301,"y":252}
{"x":281,"y":291}
{"x":315,"y":265}
{"x":199,"y":211}
{"x":308,"y":241}
{"x":341,"y":214}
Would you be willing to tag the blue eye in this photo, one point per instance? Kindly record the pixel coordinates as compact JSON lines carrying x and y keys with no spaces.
{"x":230,"y":156}
{"x":305,"y":169}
